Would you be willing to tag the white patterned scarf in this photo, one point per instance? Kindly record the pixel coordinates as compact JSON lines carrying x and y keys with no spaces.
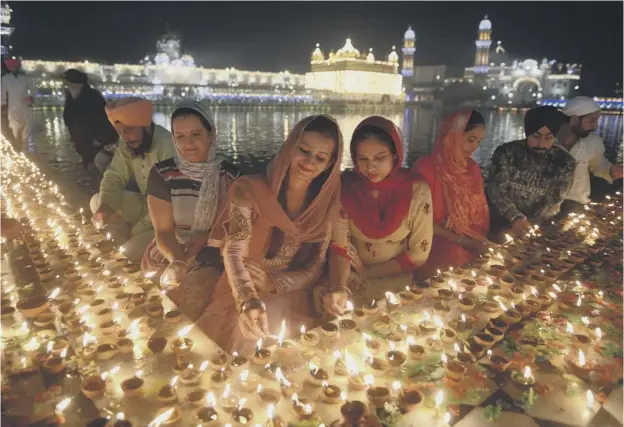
{"x":207,"y":173}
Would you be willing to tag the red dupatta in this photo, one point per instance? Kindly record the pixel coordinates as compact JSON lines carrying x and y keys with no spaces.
{"x":381,"y":216}
{"x":468,"y":213}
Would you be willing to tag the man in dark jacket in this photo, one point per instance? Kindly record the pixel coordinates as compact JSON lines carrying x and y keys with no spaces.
{"x":529,"y":178}
{"x":85,"y":117}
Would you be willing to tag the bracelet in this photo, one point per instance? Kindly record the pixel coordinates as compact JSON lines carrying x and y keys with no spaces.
{"x":252,"y":303}
{"x":517,"y":217}
{"x":461,"y":239}
{"x":339,"y":289}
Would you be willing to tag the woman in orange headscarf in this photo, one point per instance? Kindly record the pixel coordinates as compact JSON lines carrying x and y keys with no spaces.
{"x":460,"y":211}
{"x":278,"y":230}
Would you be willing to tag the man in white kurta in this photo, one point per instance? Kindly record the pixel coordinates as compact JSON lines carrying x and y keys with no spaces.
{"x":588,"y":150}
{"x":17,"y":93}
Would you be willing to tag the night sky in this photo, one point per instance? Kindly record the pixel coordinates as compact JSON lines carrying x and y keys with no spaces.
{"x":281,"y":35}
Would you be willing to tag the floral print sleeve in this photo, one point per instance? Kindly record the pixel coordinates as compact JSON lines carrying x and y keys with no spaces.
{"x":421,"y":229}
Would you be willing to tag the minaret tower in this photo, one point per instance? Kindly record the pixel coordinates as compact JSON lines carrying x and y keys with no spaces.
{"x":5,"y":29}
{"x":409,"y":47}
{"x":483,"y":43}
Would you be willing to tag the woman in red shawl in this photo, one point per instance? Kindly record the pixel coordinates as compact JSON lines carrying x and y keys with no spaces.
{"x":460,"y":212}
{"x":385,"y":226}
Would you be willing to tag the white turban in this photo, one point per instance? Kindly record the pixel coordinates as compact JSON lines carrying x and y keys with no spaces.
{"x":581,"y":106}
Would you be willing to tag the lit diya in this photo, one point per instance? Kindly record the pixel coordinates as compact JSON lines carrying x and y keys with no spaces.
{"x":378,"y":396}
{"x":499,"y":363}
{"x":410,"y":398}
{"x":581,"y":341}
{"x":317,"y":375}
{"x":347,"y":324}
{"x":93,"y":387}
{"x":133,"y":387}
{"x":417,"y":352}
{"x":329,"y":329}
{"x":167,"y":394}
{"x":261,"y":356}
{"x":173,"y":316}
{"x":302,"y":408}
{"x":523,"y":379}
{"x":268,"y":396}
{"x":241,"y":415}
{"x":394,"y":357}
{"x":157,"y":344}
{"x":309,"y":338}
{"x":448,"y":336}
{"x":195,"y":398}
{"x":218,"y":379}
{"x":371,"y":308}
{"x":181,"y":346}
{"x":207,"y":416}
{"x":455,"y":370}
{"x":331,"y":393}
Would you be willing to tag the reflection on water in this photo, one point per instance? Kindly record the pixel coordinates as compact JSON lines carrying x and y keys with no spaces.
{"x":250,"y":137}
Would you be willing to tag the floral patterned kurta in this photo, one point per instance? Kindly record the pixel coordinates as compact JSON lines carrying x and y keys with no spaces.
{"x":409,"y":244}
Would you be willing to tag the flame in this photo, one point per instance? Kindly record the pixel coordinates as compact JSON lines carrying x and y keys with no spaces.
{"x":63,"y":404}
{"x":55,"y":293}
{"x":241,"y":403}
{"x":473,"y":274}
{"x":162,"y":418}
{"x":226,"y":392}
{"x":369,"y":379}
{"x":503,"y":306}
{"x":599,"y":333}
{"x":203,"y":366}
{"x":351,"y":365}
{"x":581,"y":359}
{"x":396,"y":385}
{"x":447,"y":417}
{"x":149,"y":274}
{"x":211,"y":400}
{"x":410,"y":340}
{"x":453,"y":285}
{"x":439,"y":398}
{"x":438,"y":321}
{"x":50,"y":346}
{"x":244,"y":375}
{"x":585,"y":320}
{"x":270,"y":411}
{"x":279,"y":376}
{"x":463,"y":318}
{"x":184,"y":331}
{"x":138,"y":373}
{"x":302,"y":330}
{"x":444,"y":358}
{"x":349,"y":306}
{"x":313,"y":368}
{"x":569,"y":328}
{"x":590,"y":399}
{"x":391,"y":298}
{"x":120,"y":416}
{"x":173,"y":381}
{"x":114,"y":370}
{"x":63,"y":353}
{"x":259,"y":345}
{"x":367,"y":337}
{"x":456,"y":348}
{"x":527,"y":372}
{"x":337,"y":355}
{"x":343,"y":396}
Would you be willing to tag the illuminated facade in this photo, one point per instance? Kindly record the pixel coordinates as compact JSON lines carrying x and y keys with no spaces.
{"x":348,"y":74}
{"x":518,"y":82}
{"x":409,"y":47}
{"x":5,"y":28}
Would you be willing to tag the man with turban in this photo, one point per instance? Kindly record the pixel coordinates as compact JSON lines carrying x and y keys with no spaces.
{"x":84,"y":116}
{"x":17,"y":93}
{"x":121,"y":204}
{"x":587,"y":148}
{"x":529,"y":178}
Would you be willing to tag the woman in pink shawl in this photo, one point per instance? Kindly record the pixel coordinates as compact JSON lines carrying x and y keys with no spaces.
{"x":460,"y":212}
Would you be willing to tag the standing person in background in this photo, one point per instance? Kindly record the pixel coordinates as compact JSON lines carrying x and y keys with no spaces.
{"x":461,"y":215}
{"x":587,"y":148}
{"x":529,"y":178}
{"x":121,"y":204}
{"x":86,"y":119}
{"x":17,"y":94}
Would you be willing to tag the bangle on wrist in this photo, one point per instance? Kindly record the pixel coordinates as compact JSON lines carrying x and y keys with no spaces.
{"x":178,"y":261}
{"x":252,"y":303}
{"x":339,"y":289}
{"x":517,"y":217}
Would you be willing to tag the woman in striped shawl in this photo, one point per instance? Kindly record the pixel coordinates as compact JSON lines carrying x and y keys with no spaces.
{"x":186,"y":198}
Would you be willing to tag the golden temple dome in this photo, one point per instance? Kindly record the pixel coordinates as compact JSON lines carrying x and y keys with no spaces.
{"x":393,"y":56}
{"x":348,"y":51}
{"x":370,"y":57}
{"x":318,"y":55}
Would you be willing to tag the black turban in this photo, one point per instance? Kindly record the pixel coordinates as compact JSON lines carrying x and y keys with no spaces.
{"x":74,"y":76}
{"x":537,"y":118}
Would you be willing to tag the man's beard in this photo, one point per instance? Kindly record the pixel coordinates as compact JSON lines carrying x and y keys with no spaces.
{"x":580,"y":132}
{"x":539,"y":150}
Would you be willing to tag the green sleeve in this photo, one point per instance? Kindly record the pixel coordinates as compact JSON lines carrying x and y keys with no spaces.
{"x":115,"y":179}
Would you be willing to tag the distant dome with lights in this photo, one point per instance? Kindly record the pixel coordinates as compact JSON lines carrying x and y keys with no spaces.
{"x":485,"y":24}
{"x":393,"y":56}
{"x":317,"y":55}
{"x":409,"y":34}
{"x":370,"y":57}
{"x":188,"y":60}
{"x":348,"y":51}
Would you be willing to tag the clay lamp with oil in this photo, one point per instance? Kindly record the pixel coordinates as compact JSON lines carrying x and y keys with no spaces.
{"x":248,"y":382}
{"x":309,"y":338}
{"x":157,"y":344}
{"x":495,"y":333}
{"x":438,"y":281}
{"x":484,"y":339}
{"x":441,"y":309}
{"x":455,"y":370}
{"x":371,"y":344}
{"x":407,"y":297}
{"x":261,"y":356}
{"x":125,"y":345}
{"x":420,"y":287}
{"x":302,"y":408}
{"x":94,"y":387}
{"x":218,"y":379}
{"x":395,"y":337}
{"x":173,"y":317}
{"x":410,"y":399}
{"x":581,"y":341}
{"x":133,"y":387}
{"x":55,"y":364}
{"x":182,"y":346}
{"x":340,"y":368}
{"x":331,"y":393}
{"x":191,"y":375}
{"x":523,"y":379}
{"x":168,"y":393}
{"x":416,"y":351}
{"x":241,"y":415}
{"x":180,"y":366}
{"x":352,"y":412}
{"x":239,"y":363}
{"x":228,"y":400}
{"x":329,"y":329}
{"x":495,"y":290}
{"x":287,"y":387}
{"x":267,"y":396}
{"x":377,"y":365}
{"x":377,"y":396}
{"x":499,"y":363}
{"x":371,"y":308}
{"x":394,"y":357}
{"x":347,"y":324}
{"x":354,"y":376}
{"x":195,"y":398}
{"x":491,"y":307}
{"x":168,"y":417}
{"x":207,"y":416}
{"x":426,"y":326}
{"x":317,"y":375}
{"x":499,"y":323}
{"x":392,"y":302}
